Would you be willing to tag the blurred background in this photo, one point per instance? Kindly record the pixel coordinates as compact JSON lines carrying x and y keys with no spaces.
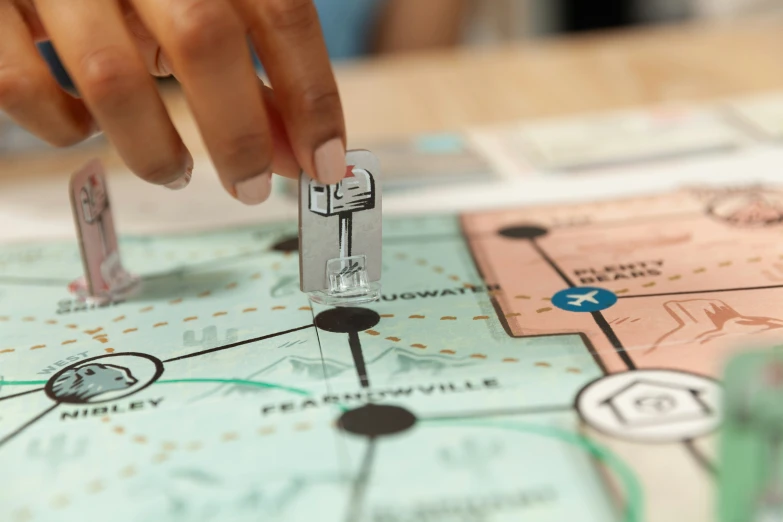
{"x":453,"y":94}
{"x":358,"y":29}
{"x":388,"y":26}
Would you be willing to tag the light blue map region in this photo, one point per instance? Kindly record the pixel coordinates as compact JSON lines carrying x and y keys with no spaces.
{"x":219,"y":392}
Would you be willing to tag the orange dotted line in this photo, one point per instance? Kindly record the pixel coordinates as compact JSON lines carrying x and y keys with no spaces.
{"x":420,"y":346}
{"x":22,"y":515}
{"x":97,"y":485}
{"x":543,"y":364}
{"x":102,"y":338}
{"x":191,"y":318}
{"x":206,"y":293}
{"x":30,"y":319}
{"x":453,"y":352}
{"x":170,"y":446}
{"x":437,"y":269}
{"x":698,"y":270}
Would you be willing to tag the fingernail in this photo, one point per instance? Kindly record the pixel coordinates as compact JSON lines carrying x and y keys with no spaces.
{"x":330,"y":162}
{"x":164,"y":65}
{"x":182,"y":181}
{"x":254,"y":190}
{"x":95,"y":129}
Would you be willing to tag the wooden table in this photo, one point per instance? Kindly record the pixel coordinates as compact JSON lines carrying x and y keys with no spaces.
{"x":401,"y":95}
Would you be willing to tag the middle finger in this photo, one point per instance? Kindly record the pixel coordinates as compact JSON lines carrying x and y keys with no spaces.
{"x":98,"y":52}
{"x":206,"y":44}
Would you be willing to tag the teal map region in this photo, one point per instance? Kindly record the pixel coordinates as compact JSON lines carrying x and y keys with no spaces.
{"x":220,"y":392}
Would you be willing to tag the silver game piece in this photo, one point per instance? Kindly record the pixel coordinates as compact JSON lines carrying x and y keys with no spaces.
{"x":340,"y":234}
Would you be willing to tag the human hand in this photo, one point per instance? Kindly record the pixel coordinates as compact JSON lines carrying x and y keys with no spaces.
{"x":112,"y":49}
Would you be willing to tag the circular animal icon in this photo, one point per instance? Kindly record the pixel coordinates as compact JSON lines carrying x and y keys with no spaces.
{"x":104,"y":378}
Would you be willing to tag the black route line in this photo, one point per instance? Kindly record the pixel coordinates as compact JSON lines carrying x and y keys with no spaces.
{"x":358,"y":358}
{"x":551,"y":263}
{"x":239,"y":343}
{"x":504,"y":320}
{"x":603,"y":324}
{"x":18,"y":394}
{"x":690,"y":292}
{"x":339,"y":448}
{"x":356,"y":502}
{"x":321,"y":354}
{"x":700,"y":457}
{"x":27,"y":424}
{"x":531,"y":410}
{"x":598,"y":317}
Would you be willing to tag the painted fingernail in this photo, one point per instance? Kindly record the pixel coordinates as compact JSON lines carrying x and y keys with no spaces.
{"x":330,"y":162}
{"x":95,"y":129}
{"x":182,"y":181}
{"x":164,"y":65}
{"x":254,"y":190}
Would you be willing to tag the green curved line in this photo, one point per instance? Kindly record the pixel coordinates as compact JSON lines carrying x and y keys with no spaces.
{"x":242,"y":382}
{"x":635,"y":497}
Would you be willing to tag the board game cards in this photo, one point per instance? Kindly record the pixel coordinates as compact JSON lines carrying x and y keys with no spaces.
{"x":340,"y":234}
{"x":105,"y":279}
{"x":762,"y":113}
{"x":432,"y":160}
{"x":596,"y":141}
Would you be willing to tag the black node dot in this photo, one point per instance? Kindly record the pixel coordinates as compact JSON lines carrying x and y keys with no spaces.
{"x":375,"y":420}
{"x":347,"y":319}
{"x":289,"y":244}
{"x":523,"y":232}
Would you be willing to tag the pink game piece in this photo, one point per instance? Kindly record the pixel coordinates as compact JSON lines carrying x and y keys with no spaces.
{"x":105,"y":279}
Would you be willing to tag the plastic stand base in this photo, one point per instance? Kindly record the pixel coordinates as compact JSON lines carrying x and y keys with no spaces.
{"x":348,"y":283}
{"x":129,"y":288}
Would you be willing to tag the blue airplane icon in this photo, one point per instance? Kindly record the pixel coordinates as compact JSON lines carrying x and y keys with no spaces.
{"x":584,"y":299}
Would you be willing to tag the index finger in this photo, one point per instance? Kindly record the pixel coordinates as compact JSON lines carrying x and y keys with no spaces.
{"x":289,"y":41}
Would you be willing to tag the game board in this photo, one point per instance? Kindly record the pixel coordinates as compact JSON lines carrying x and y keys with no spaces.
{"x":543,"y":364}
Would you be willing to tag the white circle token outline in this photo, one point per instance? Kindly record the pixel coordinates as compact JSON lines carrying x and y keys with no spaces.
{"x":591,"y":408}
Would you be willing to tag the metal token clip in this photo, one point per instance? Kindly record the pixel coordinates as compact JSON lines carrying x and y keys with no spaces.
{"x":340,"y":235}
{"x":105,"y":279}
